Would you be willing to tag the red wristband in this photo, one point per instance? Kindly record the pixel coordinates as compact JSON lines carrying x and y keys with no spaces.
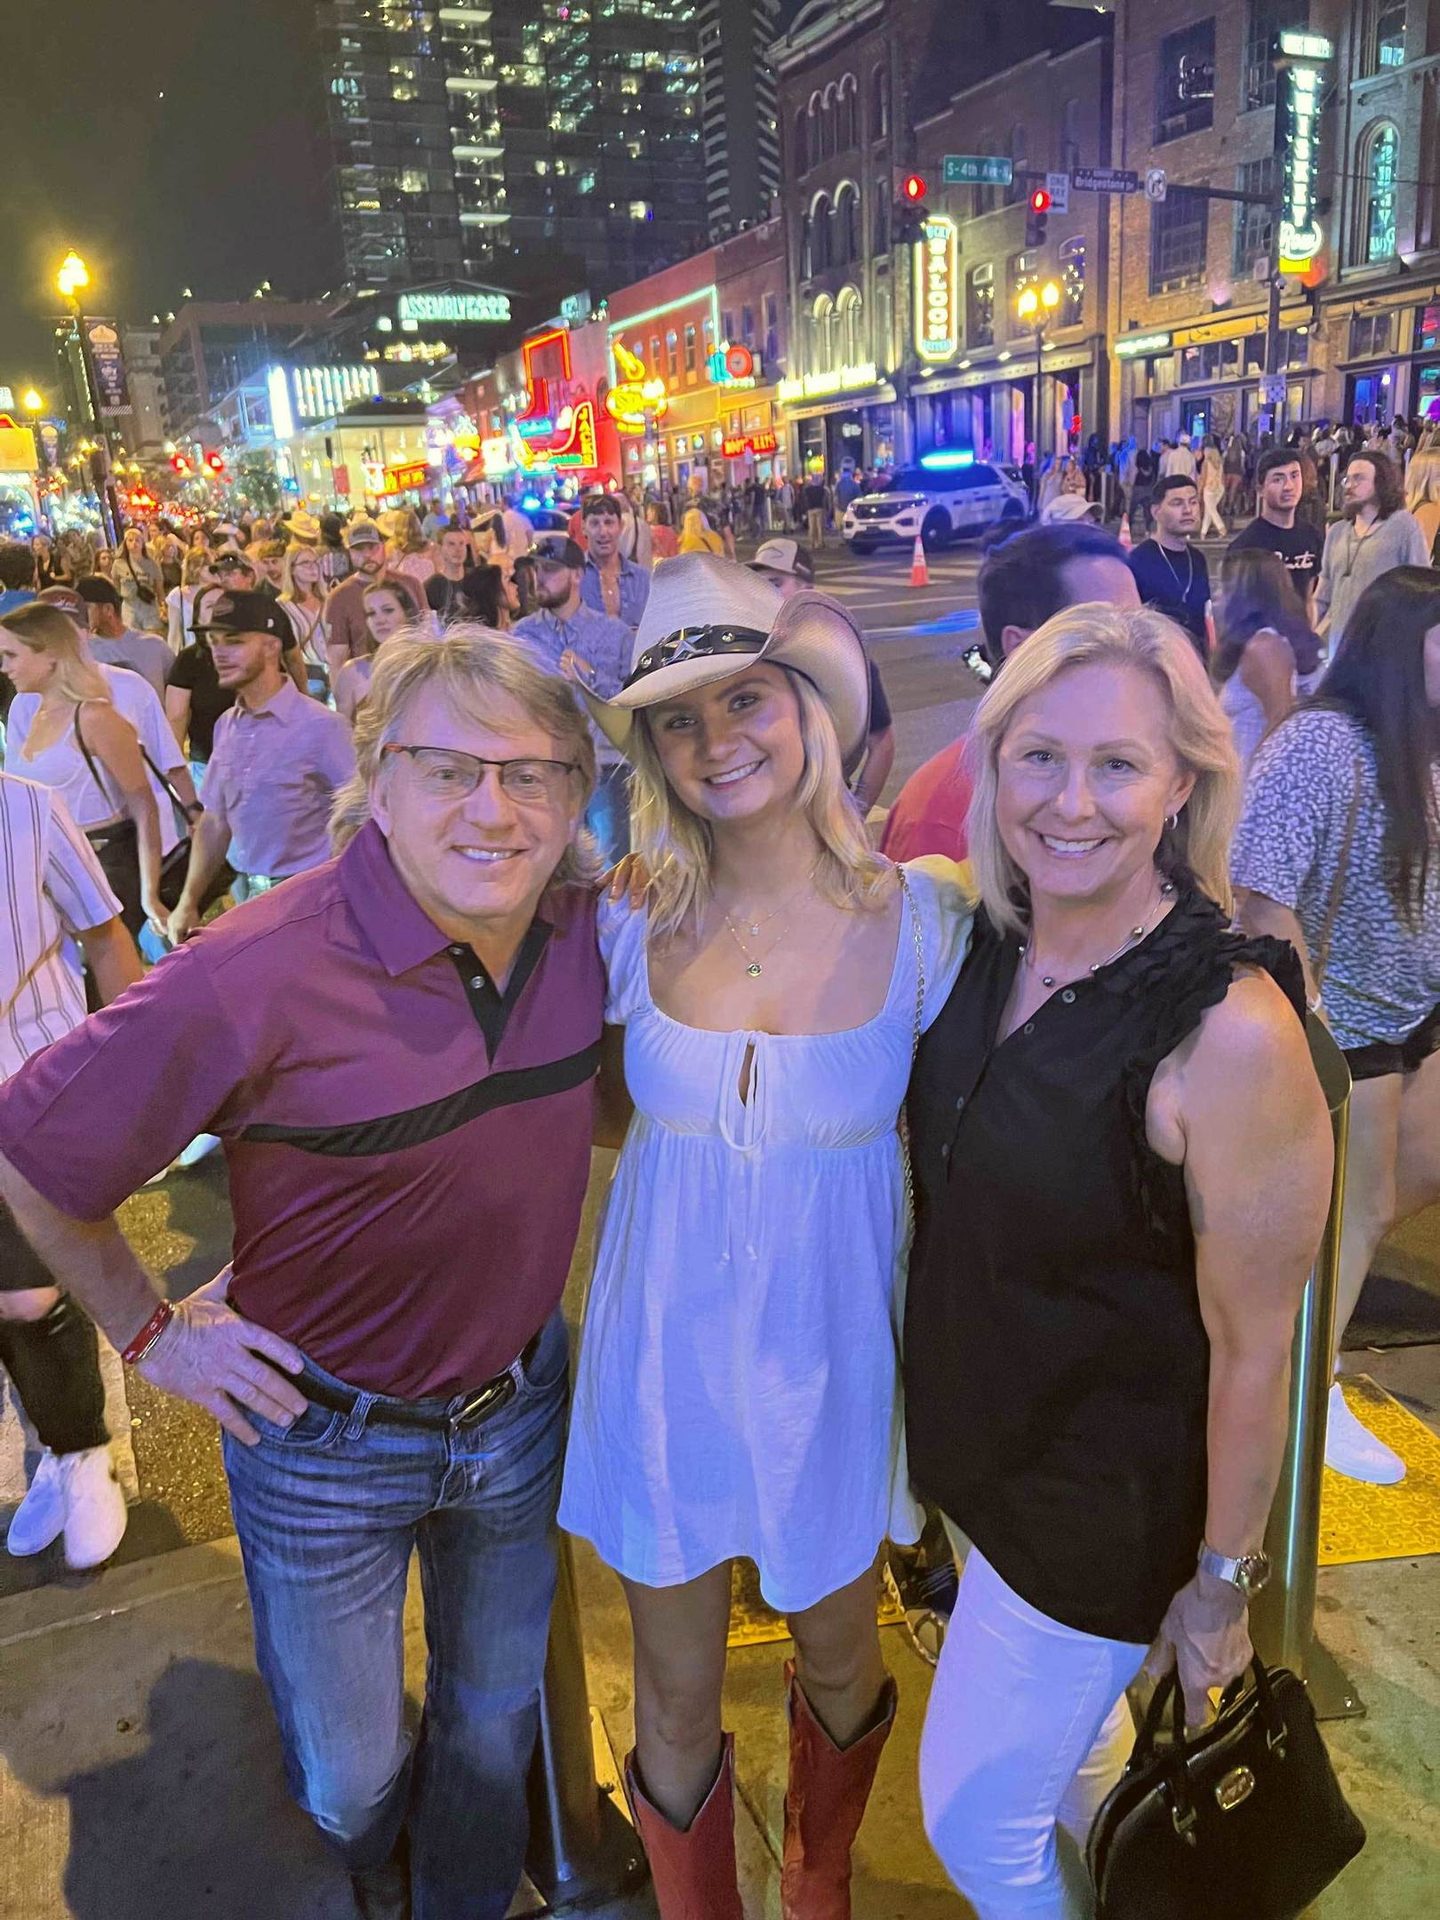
{"x":148,"y":1334}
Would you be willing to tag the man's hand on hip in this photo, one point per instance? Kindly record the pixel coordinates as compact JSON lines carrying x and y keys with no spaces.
{"x":209,"y":1355}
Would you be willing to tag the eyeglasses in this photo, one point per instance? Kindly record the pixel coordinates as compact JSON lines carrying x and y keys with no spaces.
{"x":446,"y":775}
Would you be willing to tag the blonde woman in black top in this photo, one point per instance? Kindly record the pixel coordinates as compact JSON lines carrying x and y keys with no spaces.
{"x":1123,"y":1163}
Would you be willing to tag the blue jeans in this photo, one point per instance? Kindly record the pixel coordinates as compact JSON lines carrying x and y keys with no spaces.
{"x":608,"y":814}
{"x":328,"y":1514}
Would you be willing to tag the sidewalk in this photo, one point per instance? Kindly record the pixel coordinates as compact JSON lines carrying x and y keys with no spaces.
{"x":141,"y":1773}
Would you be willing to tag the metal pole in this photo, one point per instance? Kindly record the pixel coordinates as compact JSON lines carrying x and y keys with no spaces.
{"x":1282,"y":1616}
{"x":1272,"y":324}
{"x":583,"y":1851}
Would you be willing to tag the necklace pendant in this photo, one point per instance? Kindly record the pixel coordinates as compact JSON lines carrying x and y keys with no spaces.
{"x":753,"y":931}
{"x":754,"y":969}
{"x":1047,"y":979}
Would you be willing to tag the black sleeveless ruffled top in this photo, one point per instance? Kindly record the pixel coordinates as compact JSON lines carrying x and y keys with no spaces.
{"x":1056,"y":1365}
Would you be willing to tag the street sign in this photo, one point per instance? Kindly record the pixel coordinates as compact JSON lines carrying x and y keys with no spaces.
{"x":978,"y":170}
{"x":1272,"y":389}
{"x":1057,"y":185}
{"x":1155,"y":183}
{"x":1104,"y":180}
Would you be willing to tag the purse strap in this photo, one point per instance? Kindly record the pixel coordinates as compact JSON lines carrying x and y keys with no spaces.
{"x":90,"y":759}
{"x":917,"y":932}
{"x":188,"y":814}
{"x":1321,"y":958}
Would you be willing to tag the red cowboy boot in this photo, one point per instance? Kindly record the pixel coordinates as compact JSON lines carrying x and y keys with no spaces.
{"x":693,"y":1868}
{"x":824,"y":1803}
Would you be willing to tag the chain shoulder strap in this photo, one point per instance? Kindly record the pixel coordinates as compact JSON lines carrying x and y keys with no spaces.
{"x":902,"y":1124}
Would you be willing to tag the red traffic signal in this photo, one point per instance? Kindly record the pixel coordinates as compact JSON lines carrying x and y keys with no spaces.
{"x":914,"y":187}
{"x":215,"y":462}
{"x":1040,"y":201}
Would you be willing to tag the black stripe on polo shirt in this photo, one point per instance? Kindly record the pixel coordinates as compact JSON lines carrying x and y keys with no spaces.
{"x":393,"y":1132}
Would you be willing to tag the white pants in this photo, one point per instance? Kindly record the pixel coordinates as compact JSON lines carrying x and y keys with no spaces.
{"x":1211,"y":498}
{"x":1028,"y":1730}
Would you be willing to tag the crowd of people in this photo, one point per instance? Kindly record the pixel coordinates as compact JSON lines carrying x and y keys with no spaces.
{"x":971,"y":1170}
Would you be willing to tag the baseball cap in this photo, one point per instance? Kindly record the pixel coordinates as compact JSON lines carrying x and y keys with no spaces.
{"x":247,"y":613}
{"x":96,"y":591}
{"x":66,"y":598}
{"x":784,"y":556}
{"x":560,"y":550}
{"x":229,"y":557}
{"x":363,"y":533}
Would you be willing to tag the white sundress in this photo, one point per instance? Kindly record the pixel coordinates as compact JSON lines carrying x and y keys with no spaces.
{"x":738,"y":1389}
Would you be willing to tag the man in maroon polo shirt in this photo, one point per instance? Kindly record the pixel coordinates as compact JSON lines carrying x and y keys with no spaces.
{"x":398,"y":1050}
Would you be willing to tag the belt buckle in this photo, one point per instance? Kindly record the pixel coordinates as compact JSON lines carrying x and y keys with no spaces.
{"x":484,"y":1401}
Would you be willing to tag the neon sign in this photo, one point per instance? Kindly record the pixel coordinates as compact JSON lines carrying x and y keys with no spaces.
{"x":633,"y":396}
{"x":733,"y":366}
{"x":460,"y":309}
{"x":736,"y":445}
{"x":841,"y":380}
{"x":937,"y":290}
{"x":1304,"y":58}
{"x":541,"y":440}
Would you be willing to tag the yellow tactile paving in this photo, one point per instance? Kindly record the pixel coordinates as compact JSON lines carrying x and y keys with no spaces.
{"x":1358,"y":1522}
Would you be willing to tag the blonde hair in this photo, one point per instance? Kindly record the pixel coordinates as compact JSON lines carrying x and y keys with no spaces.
{"x":45,"y":629}
{"x":292,"y":554}
{"x":677,"y":846}
{"x":1197,"y":849}
{"x":480,"y":673}
{"x":1422,"y":478}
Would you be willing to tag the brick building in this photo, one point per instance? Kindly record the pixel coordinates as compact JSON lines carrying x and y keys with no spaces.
{"x":1196,"y":94}
{"x":1046,"y":114}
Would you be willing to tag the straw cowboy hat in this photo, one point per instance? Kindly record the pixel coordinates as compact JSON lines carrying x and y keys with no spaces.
{"x":304,"y":528}
{"x":708,"y":619}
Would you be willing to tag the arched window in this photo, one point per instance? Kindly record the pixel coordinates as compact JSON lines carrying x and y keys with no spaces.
{"x":848,"y":98}
{"x":880,"y":228}
{"x":1381,"y":166}
{"x":848,"y":318}
{"x":827,"y":123}
{"x":879,"y":103}
{"x":1072,"y":282}
{"x":821,"y":249}
{"x":1070,"y":137}
{"x":822,"y":345}
{"x":847,"y":222}
{"x":802,"y":148}
{"x":807,"y":246}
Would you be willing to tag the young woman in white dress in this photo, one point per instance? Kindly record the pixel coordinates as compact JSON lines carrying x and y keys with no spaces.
{"x":738,"y":1389}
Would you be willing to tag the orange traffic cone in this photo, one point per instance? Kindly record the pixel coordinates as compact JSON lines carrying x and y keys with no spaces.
{"x":919,"y":566}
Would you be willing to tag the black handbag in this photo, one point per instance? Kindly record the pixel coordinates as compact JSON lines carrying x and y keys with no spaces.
{"x":1243,"y":1820}
{"x":118,"y":849}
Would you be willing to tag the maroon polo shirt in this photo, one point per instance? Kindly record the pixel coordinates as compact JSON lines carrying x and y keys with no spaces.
{"x":408,"y":1150}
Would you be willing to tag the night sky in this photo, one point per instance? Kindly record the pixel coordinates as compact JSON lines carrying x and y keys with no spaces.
{"x":217,"y":186}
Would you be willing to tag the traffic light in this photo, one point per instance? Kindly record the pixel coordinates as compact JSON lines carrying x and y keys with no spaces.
{"x":913,"y":188}
{"x":215,"y":462}
{"x":1037,"y":216}
{"x":181,"y":465}
{"x":910,"y":191}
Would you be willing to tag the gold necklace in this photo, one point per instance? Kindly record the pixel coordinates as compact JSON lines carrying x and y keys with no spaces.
{"x":753,"y":966}
{"x":754,"y":927}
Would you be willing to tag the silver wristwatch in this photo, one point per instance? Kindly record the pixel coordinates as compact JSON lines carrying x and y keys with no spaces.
{"x":1249,"y":1573}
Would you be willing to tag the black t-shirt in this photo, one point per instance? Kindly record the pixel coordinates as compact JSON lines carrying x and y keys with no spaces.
{"x":1300,"y":547}
{"x":1177,"y":584}
{"x":194,"y":670}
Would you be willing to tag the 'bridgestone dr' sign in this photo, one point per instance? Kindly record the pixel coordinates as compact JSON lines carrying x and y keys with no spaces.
{"x":937,"y":290}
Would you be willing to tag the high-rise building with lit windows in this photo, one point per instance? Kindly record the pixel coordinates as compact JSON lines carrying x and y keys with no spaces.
{"x":738,"y":128}
{"x":523,"y":142}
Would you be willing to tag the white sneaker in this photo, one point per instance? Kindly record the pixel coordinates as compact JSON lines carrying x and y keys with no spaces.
{"x":40,"y":1516}
{"x":1351,"y":1448}
{"x":95,"y":1513}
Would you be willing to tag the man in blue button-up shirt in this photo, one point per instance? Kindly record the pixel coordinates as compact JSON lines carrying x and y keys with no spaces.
{"x":592,"y":649}
{"x":611,"y":583}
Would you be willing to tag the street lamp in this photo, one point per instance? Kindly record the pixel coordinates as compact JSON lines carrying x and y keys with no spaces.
{"x":32,"y":401}
{"x":72,"y":280}
{"x":1035,"y":306}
